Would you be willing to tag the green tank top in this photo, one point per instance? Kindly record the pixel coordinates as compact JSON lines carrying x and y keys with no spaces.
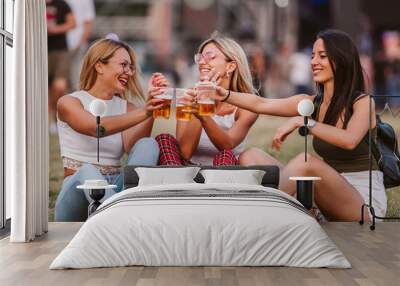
{"x":343,"y":160}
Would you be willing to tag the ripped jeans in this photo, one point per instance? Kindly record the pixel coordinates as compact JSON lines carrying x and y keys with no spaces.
{"x":72,"y":203}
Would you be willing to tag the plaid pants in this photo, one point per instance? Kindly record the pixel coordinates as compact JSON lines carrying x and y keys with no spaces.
{"x":171,"y":155}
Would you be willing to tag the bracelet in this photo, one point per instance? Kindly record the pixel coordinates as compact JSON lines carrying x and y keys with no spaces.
{"x":227,"y":96}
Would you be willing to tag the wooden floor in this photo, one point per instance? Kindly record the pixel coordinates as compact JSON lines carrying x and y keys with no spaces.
{"x":374,"y":255}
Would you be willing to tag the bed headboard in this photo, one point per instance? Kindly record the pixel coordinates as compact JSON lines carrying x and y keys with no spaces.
{"x":270,"y":179}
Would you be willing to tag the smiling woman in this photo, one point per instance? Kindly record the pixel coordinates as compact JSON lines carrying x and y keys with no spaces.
{"x":109,"y":73}
{"x":213,"y":138}
{"x":339,"y":128}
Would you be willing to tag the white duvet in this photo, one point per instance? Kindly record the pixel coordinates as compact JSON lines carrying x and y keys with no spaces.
{"x":185,"y":230}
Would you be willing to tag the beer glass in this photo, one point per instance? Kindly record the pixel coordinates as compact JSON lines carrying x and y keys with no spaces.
{"x":165,"y":110}
{"x":206,"y":102}
{"x":182,"y":107}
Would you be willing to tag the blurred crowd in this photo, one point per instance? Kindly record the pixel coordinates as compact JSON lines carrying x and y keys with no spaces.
{"x":69,"y":24}
{"x":286,"y":70}
{"x":278,"y":72}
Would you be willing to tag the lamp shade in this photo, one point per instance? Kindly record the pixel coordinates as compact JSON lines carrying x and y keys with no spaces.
{"x":98,"y":107}
{"x":305,"y":107}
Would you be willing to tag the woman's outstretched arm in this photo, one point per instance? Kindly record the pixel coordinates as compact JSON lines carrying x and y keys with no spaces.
{"x":286,"y":107}
{"x":71,"y":111}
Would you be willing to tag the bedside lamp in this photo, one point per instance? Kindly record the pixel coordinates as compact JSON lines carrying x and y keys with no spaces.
{"x":304,"y":185}
{"x":98,"y":108}
{"x":97,"y":188}
{"x":305,"y":109}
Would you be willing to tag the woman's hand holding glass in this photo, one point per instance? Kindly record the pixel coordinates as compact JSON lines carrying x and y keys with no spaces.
{"x":185,"y":104}
{"x":154,"y":102}
{"x":159,"y":80}
{"x":159,"y":96}
{"x":215,"y":77}
{"x":190,"y":104}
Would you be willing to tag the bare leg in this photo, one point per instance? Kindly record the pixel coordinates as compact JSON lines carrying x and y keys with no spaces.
{"x":335,"y":197}
{"x":255,"y":156}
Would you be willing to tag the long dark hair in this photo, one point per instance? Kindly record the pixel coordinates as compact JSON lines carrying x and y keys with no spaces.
{"x":347,"y":72}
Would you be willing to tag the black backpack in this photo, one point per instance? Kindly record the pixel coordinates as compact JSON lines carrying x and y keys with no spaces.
{"x":386,"y":152}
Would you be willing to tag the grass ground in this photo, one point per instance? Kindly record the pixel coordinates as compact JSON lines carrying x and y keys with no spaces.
{"x":259,"y":136}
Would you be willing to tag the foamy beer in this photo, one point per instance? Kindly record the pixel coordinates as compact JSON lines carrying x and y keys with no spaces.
{"x":182,"y":108}
{"x":205,"y":91}
{"x":165,"y":110}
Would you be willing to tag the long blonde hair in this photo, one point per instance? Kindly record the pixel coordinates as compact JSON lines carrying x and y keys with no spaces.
{"x":101,"y":51}
{"x":241,"y":79}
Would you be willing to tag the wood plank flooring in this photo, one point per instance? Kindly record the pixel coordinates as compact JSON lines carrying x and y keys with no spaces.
{"x":374,"y":255}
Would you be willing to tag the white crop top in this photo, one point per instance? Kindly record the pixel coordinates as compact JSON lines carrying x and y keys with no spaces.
{"x":205,"y":152}
{"x":83,"y":148}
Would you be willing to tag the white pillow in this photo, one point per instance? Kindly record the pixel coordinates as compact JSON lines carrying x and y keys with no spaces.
{"x":248,"y":177}
{"x":165,"y":176}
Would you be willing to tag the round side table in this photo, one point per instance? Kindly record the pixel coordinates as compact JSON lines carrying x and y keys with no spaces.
{"x":96,"y":193}
{"x":305,"y":190}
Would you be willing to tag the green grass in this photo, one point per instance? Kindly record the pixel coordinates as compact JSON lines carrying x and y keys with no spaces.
{"x":259,"y":136}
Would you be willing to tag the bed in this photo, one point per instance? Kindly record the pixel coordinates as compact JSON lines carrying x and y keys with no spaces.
{"x":201,"y":224}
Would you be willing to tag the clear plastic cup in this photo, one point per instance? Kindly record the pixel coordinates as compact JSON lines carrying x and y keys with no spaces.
{"x":183,"y":110}
{"x":165,"y":110}
{"x":206,"y":103}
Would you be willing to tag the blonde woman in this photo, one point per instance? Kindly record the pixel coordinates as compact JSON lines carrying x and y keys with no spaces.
{"x":109,"y":73}
{"x":218,"y":139}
